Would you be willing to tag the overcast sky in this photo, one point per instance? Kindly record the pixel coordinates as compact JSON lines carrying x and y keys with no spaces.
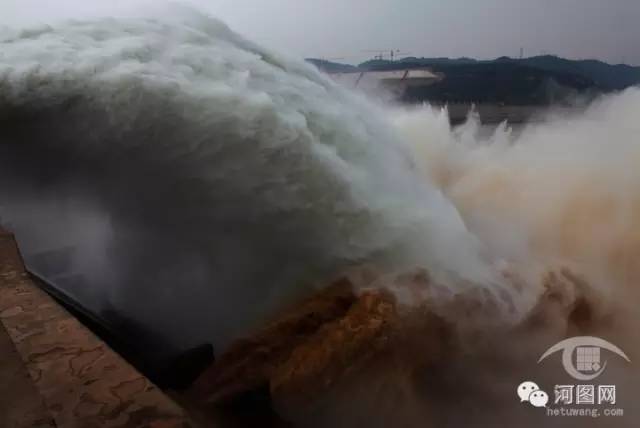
{"x":603,"y":29}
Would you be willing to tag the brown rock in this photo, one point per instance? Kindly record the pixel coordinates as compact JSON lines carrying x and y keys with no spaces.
{"x":249,"y":363}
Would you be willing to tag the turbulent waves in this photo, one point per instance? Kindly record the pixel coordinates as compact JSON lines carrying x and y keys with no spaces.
{"x":192,"y":180}
{"x":170,"y":175}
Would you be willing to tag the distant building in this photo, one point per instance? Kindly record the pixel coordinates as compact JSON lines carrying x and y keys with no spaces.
{"x":396,"y":80}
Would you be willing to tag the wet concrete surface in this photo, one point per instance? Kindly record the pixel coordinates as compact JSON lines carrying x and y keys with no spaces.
{"x":56,"y":373}
{"x":20,"y":403}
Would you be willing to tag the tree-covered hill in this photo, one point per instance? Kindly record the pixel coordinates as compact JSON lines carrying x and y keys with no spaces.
{"x":535,"y":80}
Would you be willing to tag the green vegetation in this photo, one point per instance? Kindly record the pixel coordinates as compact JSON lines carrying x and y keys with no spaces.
{"x":529,"y":81}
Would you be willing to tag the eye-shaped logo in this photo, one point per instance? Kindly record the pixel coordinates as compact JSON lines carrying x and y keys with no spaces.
{"x":588,"y":364}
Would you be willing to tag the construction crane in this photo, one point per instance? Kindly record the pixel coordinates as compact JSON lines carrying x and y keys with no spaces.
{"x":396,"y":54}
{"x":379,"y":53}
{"x":392,"y":54}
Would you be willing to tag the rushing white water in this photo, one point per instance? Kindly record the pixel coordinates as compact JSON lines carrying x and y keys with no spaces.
{"x":168,"y":172}
{"x":193,"y":181}
{"x":196,"y":179}
{"x":564,"y":192}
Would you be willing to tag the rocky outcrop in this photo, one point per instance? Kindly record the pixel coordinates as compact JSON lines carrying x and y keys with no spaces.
{"x":355,"y":355}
